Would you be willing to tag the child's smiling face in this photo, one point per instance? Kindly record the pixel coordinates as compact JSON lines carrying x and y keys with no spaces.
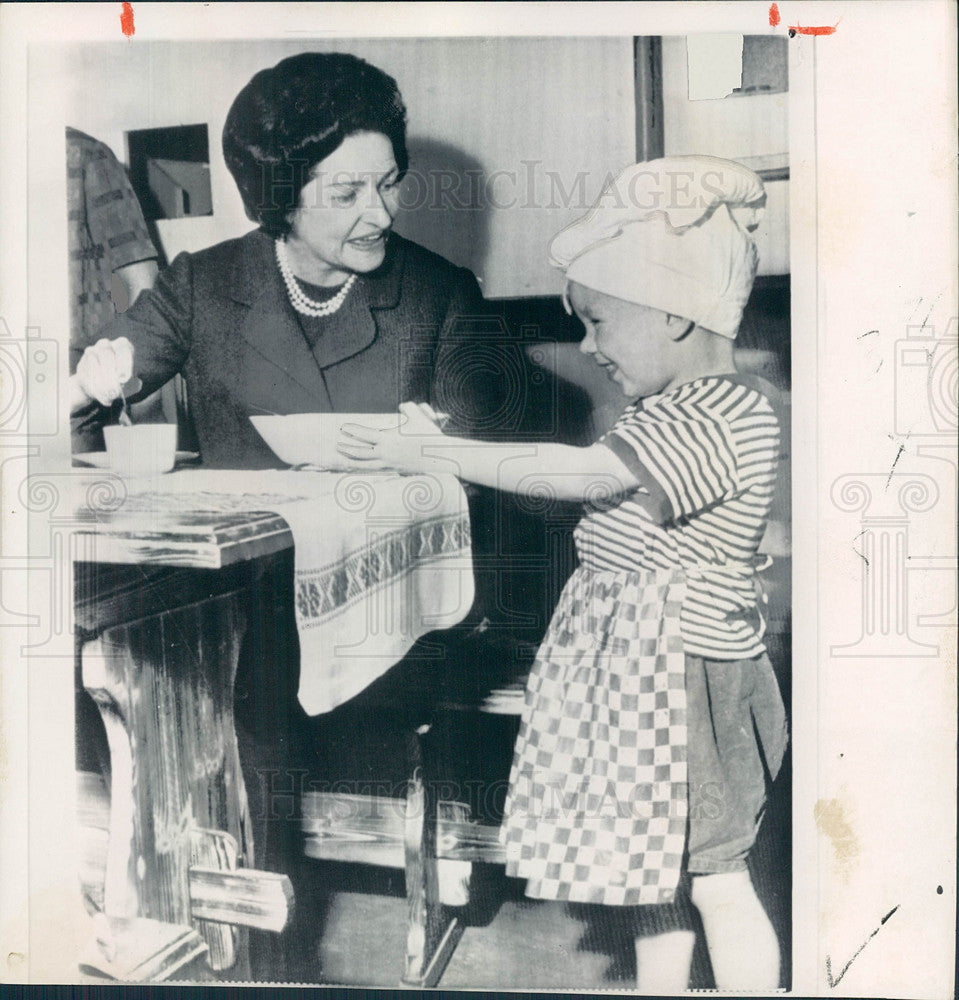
{"x":634,"y":344}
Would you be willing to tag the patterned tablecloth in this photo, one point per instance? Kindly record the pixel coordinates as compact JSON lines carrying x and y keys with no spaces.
{"x":380,"y":560}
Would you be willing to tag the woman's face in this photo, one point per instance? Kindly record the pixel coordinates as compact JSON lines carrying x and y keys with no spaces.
{"x":346,"y":211}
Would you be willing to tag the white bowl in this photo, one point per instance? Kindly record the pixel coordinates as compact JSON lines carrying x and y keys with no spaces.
{"x":310,"y":438}
{"x":142,"y":449}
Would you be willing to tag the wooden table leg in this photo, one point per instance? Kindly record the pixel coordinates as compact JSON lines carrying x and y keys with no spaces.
{"x":164,"y":687}
{"x":432,"y":929}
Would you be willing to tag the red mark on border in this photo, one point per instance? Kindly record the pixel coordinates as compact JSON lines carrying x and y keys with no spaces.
{"x":126,"y":20}
{"x":773,"y":15}
{"x":822,"y":29}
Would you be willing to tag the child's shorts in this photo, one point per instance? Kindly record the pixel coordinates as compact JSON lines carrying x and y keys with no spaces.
{"x":736,"y":739}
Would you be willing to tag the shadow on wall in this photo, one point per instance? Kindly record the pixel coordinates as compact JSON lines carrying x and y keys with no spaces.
{"x":444,"y":204}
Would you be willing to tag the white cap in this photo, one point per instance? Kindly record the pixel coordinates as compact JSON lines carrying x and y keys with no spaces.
{"x":672,"y":234}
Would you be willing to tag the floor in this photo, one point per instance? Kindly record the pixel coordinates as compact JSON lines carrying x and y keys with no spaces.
{"x":357,"y":928}
{"x":352,"y":926}
{"x":353,"y":923}
{"x":525,"y":943}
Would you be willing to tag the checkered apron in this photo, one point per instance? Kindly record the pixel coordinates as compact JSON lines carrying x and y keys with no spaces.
{"x":596,"y":810}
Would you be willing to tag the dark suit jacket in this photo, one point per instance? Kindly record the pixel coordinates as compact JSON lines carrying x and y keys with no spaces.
{"x":408,"y":331}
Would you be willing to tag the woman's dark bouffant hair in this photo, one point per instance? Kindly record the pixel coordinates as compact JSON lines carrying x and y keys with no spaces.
{"x":288,"y":118}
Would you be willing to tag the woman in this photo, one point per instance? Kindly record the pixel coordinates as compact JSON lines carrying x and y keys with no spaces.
{"x":322,"y":308}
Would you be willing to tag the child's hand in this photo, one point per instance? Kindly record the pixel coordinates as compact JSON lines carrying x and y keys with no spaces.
{"x":402,"y":448}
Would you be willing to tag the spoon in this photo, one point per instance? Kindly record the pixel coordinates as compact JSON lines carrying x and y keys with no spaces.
{"x":132,"y":386}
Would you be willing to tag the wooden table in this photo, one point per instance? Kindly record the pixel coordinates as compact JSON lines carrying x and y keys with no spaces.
{"x":162,"y":602}
{"x":160,"y":614}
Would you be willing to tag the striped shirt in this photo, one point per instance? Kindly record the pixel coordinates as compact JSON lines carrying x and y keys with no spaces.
{"x":708,"y":451}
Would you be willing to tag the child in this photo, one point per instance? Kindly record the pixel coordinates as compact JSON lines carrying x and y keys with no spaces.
{"x":652,"y":713}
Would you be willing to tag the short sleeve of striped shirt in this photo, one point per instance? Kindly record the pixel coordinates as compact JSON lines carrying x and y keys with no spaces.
{"x":681,"y":446}
{"x":113,"y":214}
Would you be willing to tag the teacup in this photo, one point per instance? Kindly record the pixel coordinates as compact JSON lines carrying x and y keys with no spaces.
{"x":142,"y":449}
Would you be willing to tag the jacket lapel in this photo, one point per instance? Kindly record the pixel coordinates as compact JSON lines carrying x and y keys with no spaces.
{"x":271,"y":329}
{"x":355,"y":326}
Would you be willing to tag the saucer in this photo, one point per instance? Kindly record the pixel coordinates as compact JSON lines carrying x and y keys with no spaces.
{"x":100,"y":459}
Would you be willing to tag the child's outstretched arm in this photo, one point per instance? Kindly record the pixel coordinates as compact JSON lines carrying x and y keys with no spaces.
{"x":419,"y":446}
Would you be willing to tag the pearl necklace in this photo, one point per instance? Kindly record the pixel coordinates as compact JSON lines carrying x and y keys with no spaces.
{"x":300,"y":301}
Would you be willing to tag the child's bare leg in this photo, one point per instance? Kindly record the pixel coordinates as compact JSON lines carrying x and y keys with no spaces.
{"x":743,"y":947}
{"x":664,"y":961}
